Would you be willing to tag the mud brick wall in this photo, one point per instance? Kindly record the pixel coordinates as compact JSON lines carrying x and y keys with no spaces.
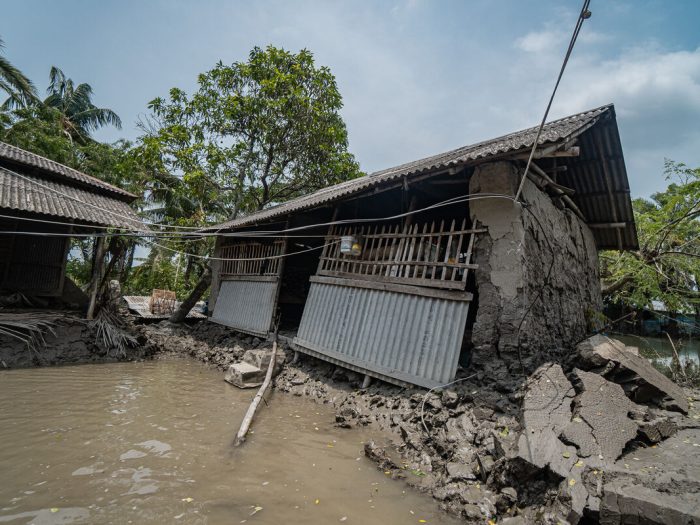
{"x":514,"y":257}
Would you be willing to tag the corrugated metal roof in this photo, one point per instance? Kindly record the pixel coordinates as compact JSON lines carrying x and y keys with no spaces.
{"x":32,"y":194}
{"x":27,"y":158}
{"x":589,"y":182}
{"x":553,"y":132}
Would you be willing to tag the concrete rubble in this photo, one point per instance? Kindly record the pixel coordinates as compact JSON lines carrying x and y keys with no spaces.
{"x":251,"y":371}
{"x":605,"y":439}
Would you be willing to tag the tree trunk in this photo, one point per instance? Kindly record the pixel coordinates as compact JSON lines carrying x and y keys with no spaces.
{"x":181,"y":313}
{"x":96,"y":276}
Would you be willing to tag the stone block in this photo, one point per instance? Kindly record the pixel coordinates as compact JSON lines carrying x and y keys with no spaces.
{"x":244,"y":375}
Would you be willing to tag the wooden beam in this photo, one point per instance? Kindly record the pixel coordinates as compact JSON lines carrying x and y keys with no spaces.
{"x":563,"y":195}
{"x":548,"y":153}
{"x":607,"y":225}
{"x":393,"y":287}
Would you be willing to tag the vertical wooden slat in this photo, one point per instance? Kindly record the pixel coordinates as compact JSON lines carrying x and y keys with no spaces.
{"x":468,"y":257}
{"x":460,"y":239}
{"x":412,"y":239}
{"x":447,"y":250}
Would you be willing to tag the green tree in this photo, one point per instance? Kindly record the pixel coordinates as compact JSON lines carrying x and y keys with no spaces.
{"x":18,"y":87}
{"x":79,"y":116}
{"x":666,"y":267}
{"x":254,"y":133}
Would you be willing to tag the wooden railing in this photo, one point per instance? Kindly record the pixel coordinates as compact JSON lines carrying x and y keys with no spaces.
{"x":262,"y":257}
{"x":428,"y":254}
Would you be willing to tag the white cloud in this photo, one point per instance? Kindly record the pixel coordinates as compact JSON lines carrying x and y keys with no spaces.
{"x":539,"y":41}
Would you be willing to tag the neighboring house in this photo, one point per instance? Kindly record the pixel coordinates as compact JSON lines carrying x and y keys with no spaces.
{"x":39,"y":196}
{"x":406,"y":280}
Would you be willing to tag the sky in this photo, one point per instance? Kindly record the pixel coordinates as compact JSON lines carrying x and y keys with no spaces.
{"x":418,"y":77}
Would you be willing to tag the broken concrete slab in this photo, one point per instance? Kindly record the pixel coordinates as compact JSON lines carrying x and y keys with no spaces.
{"x":546,"y":411}
{"x":244,"y":375}
{"x":604,"y":408}
{"x":546,"y":407}
{"x":642,"y":382}
{"x":655,"y":485}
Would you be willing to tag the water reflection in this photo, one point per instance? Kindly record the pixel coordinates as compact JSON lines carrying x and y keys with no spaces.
{"x":150,"y":443}
{"x":660,"y":352}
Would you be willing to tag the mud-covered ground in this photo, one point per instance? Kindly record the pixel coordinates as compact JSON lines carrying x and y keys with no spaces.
{"x":464,"y":444}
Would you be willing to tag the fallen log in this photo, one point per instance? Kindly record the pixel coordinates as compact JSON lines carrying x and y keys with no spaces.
{"x":248,"y":419}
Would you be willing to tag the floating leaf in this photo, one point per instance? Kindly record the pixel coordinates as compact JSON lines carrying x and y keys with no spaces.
{"x":566,"y":455}
{"x":54,"y":509}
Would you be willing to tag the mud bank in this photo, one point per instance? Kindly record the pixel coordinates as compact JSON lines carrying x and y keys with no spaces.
{"x":605,"y":441}
{"x":70,"y":340}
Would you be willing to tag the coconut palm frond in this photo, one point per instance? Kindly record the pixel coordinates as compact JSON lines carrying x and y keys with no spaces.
{"x":110,"y":335}
{"x":29,"y":328}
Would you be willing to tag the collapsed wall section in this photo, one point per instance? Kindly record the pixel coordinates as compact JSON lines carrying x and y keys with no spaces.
{"x":521,"y":302}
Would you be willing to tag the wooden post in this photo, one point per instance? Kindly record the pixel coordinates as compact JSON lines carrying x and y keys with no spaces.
{"x":248,"y":419}
{"x":96,"y":276}
{"x":366,"y":381}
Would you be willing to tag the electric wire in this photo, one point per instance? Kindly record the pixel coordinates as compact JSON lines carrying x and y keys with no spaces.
{"x":583,"y":15}
{"x":268,"y":258}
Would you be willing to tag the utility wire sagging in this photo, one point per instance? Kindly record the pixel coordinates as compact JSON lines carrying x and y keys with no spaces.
{"x":263,"y":234}
{"x":584,"y":15}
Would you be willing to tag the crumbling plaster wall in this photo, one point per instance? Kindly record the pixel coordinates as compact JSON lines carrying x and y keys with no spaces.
{"x":514,"y":257}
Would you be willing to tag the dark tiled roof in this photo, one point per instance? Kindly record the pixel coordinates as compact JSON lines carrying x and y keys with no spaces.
{"x":17,"y":155}
{"x":598,"y":177}
{"x":553,"y":132}
{"x":28,"y":193}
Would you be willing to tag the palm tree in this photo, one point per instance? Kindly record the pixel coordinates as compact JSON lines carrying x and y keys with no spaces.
{"x":79,"y":116}
{"x":20,"y":89}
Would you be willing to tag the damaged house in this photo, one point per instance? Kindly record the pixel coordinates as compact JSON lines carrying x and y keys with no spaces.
{"x":40,"y":196}
{"x":403,"y":273}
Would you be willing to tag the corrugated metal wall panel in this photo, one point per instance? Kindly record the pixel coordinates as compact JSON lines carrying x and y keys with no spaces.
{"x":407,"y":337}
{"x":246,"y":305}
{"x":36,"y":265}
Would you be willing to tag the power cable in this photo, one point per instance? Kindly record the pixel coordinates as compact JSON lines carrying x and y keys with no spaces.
{"x":271,"y":257}
{"x":585,"y":14}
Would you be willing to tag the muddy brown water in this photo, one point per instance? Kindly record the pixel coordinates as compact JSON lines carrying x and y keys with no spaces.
{"x":151,"y":443}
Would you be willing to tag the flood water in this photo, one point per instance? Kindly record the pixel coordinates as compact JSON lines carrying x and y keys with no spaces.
{"x":151,"y":443}
{"x":659,"y":350}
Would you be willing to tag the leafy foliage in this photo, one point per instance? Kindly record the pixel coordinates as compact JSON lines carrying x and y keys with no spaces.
{"x":79,"y":116}
{"x":666,"y":267}
{"x":254,"y":133}
{"x":18,"y":87}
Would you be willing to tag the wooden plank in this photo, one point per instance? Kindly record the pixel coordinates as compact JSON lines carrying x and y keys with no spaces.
{"x":431,"y":283}
{"x":394,"y":287}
